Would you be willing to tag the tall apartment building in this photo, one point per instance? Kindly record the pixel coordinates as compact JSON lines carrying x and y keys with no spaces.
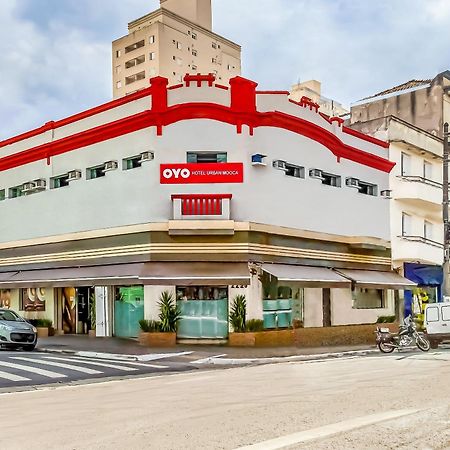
{"x":172,"y":41}
{"x":411,"y":117}
{"x":313,"y":90}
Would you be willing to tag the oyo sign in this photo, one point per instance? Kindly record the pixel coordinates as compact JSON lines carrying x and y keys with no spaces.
{"x":192,"y":173}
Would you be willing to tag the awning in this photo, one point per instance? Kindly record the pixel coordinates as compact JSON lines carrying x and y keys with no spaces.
{"x":73,"y":276}
{"x":376,"y":279}
{"x":151,"y":273}
{"x":306,"y":276}
{"x":195,"y":273}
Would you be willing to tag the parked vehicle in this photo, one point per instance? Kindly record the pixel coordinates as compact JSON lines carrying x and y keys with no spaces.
{"x":387,"y":342}
{"x":15,"y":331}
{"x":437,"y":323}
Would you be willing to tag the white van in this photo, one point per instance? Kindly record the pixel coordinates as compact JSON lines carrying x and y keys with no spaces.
{"x":437,"y":323}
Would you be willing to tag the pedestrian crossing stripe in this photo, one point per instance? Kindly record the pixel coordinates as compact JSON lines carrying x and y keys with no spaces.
{"x":61,"y":365}
{"x":32,"y":369}
{"x":94,"y":363}
{"x":12,"y":377}
{"x":116,"y":361}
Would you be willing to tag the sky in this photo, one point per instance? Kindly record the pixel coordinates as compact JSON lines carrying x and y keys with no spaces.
{"x":56,"y":54}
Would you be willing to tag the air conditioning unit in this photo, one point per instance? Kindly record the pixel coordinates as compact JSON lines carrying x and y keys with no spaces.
{"x":352,"y":182}
{"x":147,"y":156}
{"x":73,"y":175}
{"x":40,"y":184}
{"x":110,"y":165}
{"x":278,"y":164}
{"x":387,"y":193}
{"x":258,"y":159}
{"x":28,"y":187}
{"x":316,"y":173}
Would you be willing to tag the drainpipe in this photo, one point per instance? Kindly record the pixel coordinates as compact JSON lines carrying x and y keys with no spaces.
{"x":445,"y":205}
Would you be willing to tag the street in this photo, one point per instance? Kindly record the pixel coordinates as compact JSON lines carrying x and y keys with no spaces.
{"x":399,"y":401}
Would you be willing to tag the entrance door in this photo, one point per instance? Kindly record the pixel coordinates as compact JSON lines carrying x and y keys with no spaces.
{"x":204,"y":312}
{"x":326,"y":293}
{"x":83,"y":294}
{"x":128,"y":311}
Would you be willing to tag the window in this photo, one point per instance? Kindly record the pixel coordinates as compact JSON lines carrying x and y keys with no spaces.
{"x":135,"y":61}
{"x":135,"y":77}
{"x":151,"y":40}
{"x":427,"y":230}
{"x":2,"y":194}
{"x":95,"y":172}
{"x":134,"y":46}
{"x":206,"y":157}
{"x":118,"y":84}
{"x":202,"y":293}
{"x":328,"y":179}
{"x":152,"y":56}
{"x":194,"y":35}
{"x":118,"y":53}
{"x":406,"y":224}
{"x":368,"y":298}
{"x":295,"y":171}
{"x":427,"y":170}
{"x":194,"y":67}
{"x":194,"y":52}
{"x":118,"y":69}
{"x":229,"y":67}
{"x":132,"y":163}
{"x":367,"y":188}
{"x":60,"y":181}
{"x":214,"y":60}
{"x":15,"y":192}
{"x":214,"y":45}
{"x":405,"y":164}
{"x":179,"y":46}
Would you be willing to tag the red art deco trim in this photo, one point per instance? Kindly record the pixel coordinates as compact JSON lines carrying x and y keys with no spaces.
{"x":221,"y":86}
{"x":176,"y":86}
{"x":189,"y":111}
{"x":201,"y":196}
{"x":273,"y":92}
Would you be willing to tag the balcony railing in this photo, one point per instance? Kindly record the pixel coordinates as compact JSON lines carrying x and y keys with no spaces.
{"x":421,"y":239}
{"x":419,"y":179}
{"x":201,"y":206}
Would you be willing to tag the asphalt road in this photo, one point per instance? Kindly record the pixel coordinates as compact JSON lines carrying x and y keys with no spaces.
{"x":19,"y":370}
{"x":399,"y":401}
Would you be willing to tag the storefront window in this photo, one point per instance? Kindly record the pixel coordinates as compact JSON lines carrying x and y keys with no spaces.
{"x":128,"y":310}
{"x":202,"y":293}
{"x":368,"y":298}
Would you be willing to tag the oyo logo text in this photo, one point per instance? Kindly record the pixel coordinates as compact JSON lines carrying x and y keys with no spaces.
{"x":176,"y":173}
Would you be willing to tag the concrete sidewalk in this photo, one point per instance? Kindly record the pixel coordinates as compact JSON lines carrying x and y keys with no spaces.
{"x":207,"y":354}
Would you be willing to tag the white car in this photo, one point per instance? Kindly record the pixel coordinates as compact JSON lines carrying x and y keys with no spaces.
{"x":437,"y":323}
{"x":16,"y":331}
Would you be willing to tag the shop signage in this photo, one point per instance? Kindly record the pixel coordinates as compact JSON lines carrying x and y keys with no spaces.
{"x":192,"y":173}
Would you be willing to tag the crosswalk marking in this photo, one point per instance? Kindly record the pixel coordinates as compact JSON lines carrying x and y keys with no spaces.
{"x":94,"y":363}
{"x":12,"y":377}
{"x":32,"y":369}
{"x":116,"y":361}
{"x":62,"y":365}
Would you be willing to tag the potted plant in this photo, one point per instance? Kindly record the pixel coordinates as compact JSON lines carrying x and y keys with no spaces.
{"x":44,"y":327}
{"x":238,"y":311}
{"x":162,"y":333}
{"x":92,"y":316}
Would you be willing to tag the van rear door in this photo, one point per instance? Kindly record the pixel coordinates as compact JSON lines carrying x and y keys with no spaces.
{"x":432,"y":319}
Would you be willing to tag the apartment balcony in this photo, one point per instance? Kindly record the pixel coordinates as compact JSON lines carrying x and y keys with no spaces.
{"x":201,"y":214}
{"x":416,"y":249}
{"x":418,"y":191}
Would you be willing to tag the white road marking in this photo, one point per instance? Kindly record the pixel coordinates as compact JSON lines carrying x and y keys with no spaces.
{"x":62,"y":365}
{"x":32,"y":369}
{"x":189,"y":380}
{"x":208,"y":359}
{"x":12,"y":377}
{"x":128,"y":363}
{"x":94,"y":363}
{"x":328,"y":430}
{"x":119,"y":357}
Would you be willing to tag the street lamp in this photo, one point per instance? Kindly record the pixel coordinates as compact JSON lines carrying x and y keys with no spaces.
{"x":445,"y":205}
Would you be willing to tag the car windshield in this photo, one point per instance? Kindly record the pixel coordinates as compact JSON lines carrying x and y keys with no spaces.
{"x":10,"y":316}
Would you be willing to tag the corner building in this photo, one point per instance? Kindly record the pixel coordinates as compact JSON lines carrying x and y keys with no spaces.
{"x":203,"y":190}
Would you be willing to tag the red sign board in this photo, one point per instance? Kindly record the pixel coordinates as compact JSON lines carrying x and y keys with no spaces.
{"x":192,"y":173}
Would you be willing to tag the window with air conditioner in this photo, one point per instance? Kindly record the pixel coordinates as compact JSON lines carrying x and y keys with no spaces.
{"x":59,"y":181}
{"x":295,"y":171}
{"x":367,"y":188}
{"x":132,"y":163}
{"x":206,"y":157}
{"x":16,"y":191}
{"x":329,"y":179}
{"x":95,"y":172}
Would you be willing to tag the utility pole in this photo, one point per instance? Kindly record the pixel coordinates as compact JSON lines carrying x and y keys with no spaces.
{"x":445,"y":205}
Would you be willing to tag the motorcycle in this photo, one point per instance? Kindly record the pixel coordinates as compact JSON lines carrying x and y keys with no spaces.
{"x":387,"y":342}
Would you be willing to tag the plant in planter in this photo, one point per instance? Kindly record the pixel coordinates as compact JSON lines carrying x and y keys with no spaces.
{"x":254,"y":325}
{"x":92,"y":316}
{"x":162,"y":333}
{"x":44,"y":327}
{"x":237,"y":314}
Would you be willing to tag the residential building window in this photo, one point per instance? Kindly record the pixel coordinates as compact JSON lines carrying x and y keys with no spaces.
{"x":118,"y":84}
{"x":132,"y":163}
{"x":135,"y":61}
{"x":294,"y":171}
{"x":194,"y":67}
{"x":118,"y":53}
{"x":15,"y":192}
{"x":194,"y":35}
{"x":118,"y":69}
{"x":194,"y":52}
{"x":59,"y":181}
{"x":428,"y":230}
{"x":368,"y":298}
{"x":367,"y":188}
{"x":427,"y":170}
{"x":135,"y":77}
{"x":406,"y":224}
{"x":134,"y":46}
{"x":206,"y":157}
{"x":95,"y":172}
{"x":2,"y":194}
{"x":151,"y":40}
{"x":179,"y":46}
{"x":214,"y":45}
{"x":152,"y":56}
{"x":405,"y":164}
{"x":214,"y":60}
{"x":329,"y":179}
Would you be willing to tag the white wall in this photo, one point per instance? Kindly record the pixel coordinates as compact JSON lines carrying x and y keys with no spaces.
{"x":151,"y":300}
{"x":313,"y":308}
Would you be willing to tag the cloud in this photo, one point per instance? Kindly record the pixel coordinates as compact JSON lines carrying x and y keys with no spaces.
{"x":56,"y":55}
